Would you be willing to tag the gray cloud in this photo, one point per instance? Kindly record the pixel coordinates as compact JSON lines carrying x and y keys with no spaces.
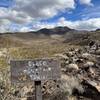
{"x":43,"y":8}
{"x":14,"y":16}
{"x":25,"y":11}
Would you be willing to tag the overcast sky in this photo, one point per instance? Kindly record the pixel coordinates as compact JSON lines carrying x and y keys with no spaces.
{"x":28,"y":15}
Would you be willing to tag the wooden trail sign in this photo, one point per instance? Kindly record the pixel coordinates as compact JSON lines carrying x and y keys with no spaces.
{"x":34,"y":70}
{"x":24,"y":71}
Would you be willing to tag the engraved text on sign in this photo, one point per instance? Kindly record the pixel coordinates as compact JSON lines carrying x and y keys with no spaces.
{"x":34,"y":70}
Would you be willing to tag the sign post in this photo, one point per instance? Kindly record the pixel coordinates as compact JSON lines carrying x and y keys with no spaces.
{"x":37,"y":70}
{"x":38,"y":92}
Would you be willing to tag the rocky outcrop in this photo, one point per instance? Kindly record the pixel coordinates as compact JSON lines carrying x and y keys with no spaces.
{"x":85,"y":66}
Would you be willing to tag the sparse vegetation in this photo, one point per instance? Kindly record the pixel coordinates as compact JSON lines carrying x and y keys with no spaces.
{"x":23,"y":47}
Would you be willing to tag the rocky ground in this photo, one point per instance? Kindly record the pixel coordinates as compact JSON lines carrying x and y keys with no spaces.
{"x":80,"y":79}
{"x":80,"y":73}
{"x":84,"y":64}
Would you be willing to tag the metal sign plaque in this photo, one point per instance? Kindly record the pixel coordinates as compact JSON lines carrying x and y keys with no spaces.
{"x":34,"y":70}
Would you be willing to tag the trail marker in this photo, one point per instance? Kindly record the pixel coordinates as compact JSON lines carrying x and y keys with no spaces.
{"x":37,"y":70}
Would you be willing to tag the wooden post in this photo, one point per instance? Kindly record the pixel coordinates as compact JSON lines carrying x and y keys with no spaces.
{"x":38,"y":92}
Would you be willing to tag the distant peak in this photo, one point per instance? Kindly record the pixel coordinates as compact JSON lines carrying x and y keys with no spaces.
{"x":98,"y":29}
{"x":55,"y":30}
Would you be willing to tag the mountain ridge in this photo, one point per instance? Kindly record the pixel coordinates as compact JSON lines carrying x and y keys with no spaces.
{"x":58,"y":34}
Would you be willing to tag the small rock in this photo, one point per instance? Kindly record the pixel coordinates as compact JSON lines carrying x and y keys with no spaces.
{"x":24,"y":99}
{"x":97,"y":52}
{"x":61,"y":55}
{"x":91,"y":71}
{"x":73,"y":66}
{"x":86,"y":55}
{"x":75,"y":59}
{"x":70,"y":54}
{"x":89,"y":64}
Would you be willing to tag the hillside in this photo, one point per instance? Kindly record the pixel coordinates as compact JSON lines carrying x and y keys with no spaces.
{"x":58,"y":34}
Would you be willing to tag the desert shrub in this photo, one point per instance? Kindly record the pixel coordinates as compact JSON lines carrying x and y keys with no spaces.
{"x":68,"y":84}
